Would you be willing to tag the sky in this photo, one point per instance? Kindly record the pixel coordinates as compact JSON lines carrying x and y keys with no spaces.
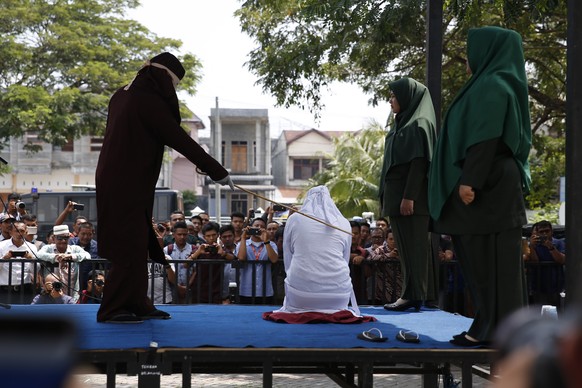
{"x":208,"y":29}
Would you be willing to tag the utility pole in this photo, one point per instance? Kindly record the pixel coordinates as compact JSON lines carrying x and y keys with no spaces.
{"x":434,"y":55}
{"x":574,"y":154}
{"x":218,"y":156}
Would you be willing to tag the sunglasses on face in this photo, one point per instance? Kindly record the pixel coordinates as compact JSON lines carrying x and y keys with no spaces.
{"x":61,"y":238}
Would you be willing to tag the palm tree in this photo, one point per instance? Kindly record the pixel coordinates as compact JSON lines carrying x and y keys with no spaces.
{"x":353,"y":173}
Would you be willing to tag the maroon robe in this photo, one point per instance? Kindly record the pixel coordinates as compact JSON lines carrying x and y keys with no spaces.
{"x":141,"y":121}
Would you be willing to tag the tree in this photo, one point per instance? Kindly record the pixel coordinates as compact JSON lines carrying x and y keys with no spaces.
{"x":353,"y":173}
{"x":62,"y":61}
{"x":303,"y":45}
{"x":189,"y":198}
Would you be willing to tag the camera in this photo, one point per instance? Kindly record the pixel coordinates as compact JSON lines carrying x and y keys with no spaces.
{"x":251,"y":214}
{"x":253,"y":231}
{"x":78,"y":206}
{"x":20,"y":205}
{"x":99,"y":283}
{"x":212,"y":249}
{"x":279,"y":208}
{"x":57,"y":286}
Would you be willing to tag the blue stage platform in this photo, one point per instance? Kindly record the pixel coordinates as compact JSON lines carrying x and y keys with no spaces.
{"x":237,"y":326}
{"x":220,"y":338}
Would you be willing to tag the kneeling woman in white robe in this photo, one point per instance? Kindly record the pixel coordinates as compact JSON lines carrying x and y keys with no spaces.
{"x":316,"y":258}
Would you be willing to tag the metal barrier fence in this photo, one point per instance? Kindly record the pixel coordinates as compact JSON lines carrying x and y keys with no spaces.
{"x":219,"y":281}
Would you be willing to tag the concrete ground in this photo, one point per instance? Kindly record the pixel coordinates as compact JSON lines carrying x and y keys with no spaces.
{"x":279,"y":380}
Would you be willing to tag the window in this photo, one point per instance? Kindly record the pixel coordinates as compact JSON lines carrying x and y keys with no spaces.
{"x":304,"y":169}
{"x":222,"y":153}
{"x":238,"y":203}
{"x":32,"y":138}
{"x":96,"y":143}
{"x":68,"y":146}
{"x":254,"y":154}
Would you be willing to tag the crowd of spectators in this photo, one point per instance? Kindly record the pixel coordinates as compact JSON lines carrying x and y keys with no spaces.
{"x":209,"y":264}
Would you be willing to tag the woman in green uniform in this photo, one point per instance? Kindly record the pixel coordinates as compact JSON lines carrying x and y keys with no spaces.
{"x":478,"y":175}
{"x":403,"y":186}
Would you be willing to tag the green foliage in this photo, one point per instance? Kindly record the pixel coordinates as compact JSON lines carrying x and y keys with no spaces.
{"x":549,"y":213}
{"x":303,"y":45}
{"x":353,"y":173}
{"x":189,"y":198}
{"x":62,"y":60}
{"x":547,"y":165}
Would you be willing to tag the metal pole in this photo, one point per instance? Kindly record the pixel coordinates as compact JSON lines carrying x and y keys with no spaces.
{"x":434,"y":55}
{"x":574,"y":154}
{"x":218,"y":155}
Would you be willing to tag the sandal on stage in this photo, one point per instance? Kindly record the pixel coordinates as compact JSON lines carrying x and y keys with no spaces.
{"x":373,"y":337}
{"x":408,"y":336}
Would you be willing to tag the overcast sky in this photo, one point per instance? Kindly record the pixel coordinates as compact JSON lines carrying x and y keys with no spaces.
{"x":208,"y":29}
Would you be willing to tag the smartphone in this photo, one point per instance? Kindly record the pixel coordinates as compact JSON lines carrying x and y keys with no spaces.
{"x":18,"y":253}
{"x":279,"y":208}
{"x":78,"y":206}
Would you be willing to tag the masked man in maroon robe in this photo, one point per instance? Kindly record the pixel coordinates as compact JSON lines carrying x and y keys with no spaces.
{"x":143,"y":118}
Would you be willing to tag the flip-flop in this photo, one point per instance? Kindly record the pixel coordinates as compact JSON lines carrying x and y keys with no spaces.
{"x":373,"y":337}
{"x":408,"y":336}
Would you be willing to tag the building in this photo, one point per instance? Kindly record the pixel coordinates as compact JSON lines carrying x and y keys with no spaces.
{"x":297,"y":157}
{"x":62,"y":168}
{"x":240,"y":140}
{"x":52,"y":168}
{"x":181,"y":174}
{"x":274,"y":169}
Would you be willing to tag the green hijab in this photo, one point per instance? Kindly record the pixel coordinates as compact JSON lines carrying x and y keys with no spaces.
{"x":492,"y":104}
{"x":413,"y":133}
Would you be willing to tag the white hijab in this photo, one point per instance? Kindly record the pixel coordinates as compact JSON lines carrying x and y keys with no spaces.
{"x":318,"y":203}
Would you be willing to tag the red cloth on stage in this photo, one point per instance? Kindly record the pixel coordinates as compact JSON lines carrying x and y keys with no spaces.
{"x":343,"y":316}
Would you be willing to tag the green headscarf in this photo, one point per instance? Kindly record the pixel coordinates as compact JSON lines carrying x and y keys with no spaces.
{"x":492,"y":104}
{"x":413,"y":129}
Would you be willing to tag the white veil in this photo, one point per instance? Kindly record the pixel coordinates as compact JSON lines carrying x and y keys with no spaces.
{"x":318,"y":203}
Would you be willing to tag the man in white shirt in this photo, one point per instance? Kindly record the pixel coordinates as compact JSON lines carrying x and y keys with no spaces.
{"x":6,"y":221}
{"x":160,"y":280}
{"x":17,"y":283}
{"x":67,"y":257}
{"x":261,"y":252}
{"x":180,"y":250}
